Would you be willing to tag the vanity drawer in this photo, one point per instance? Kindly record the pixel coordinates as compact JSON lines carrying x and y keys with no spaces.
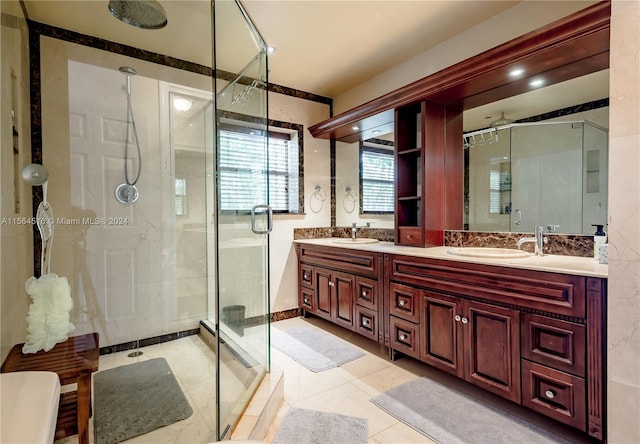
{"x":553,"y":393}
{"x":554,"y":343}
{"x":404,"y":302}
{"x":349,"y":260}
{"x":306,"y":275}
{"x":367,"y":322}
{"x":307,"y":296}
{"x":410,"y":236}
{"x":367,"y":292}
{"x":404,"y":336}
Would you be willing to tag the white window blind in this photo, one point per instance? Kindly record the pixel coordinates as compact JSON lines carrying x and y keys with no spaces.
{"x":242,"y":185}
{"x":377,"y":180}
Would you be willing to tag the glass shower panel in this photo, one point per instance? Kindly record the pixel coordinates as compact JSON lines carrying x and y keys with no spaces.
{"x":546,"y":164}
{"x":596,"y":164}
{"x":243,"y":214}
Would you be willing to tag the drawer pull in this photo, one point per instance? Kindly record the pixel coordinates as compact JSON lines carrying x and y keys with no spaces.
{"x":409,"y":236}
{"x":402,"y":302}
{"x":465,"y":320}
{"x":457,"y":318}
{"x":365,"y":293}
{"x":332,"y":284}
{"x":550,"y":394}
{"x":366,"y":322}
{"x":305,"y":276}
{"x":403,"y":337}
{"x":306,"y":301}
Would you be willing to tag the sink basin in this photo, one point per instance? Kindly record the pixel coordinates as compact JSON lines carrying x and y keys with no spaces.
{"x":362,"y":240}
{"x":487,"y":252}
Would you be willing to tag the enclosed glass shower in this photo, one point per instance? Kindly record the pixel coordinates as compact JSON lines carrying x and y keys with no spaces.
{"x":152,"y":245}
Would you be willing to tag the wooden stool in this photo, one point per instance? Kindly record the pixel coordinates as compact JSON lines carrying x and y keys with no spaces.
{"x":74,"y":360}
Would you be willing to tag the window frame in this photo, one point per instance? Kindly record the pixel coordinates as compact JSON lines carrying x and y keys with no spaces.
{"x":242,"y":123}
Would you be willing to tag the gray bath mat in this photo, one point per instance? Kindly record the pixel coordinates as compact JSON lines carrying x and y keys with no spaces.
{"x":301,"y":426}
{"x":135,"y":399}
{"x":450,"y":417}
{"x":313,"y":348}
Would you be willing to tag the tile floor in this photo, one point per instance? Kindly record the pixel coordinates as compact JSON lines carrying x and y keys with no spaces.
{"x":346,"y":389}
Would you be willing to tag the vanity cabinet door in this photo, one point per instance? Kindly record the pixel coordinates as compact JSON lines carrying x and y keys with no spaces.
{"x":323,"y":302}
{"x":335,"y":295}
{"x":441,"y":333}
{"x":492,"y":348}
{"x":344,"y":296}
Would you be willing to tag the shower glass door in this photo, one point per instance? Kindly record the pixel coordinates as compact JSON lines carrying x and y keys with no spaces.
{"x":243,"y":215}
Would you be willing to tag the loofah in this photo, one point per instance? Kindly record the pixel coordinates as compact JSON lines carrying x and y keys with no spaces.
{"x":48,"y":318}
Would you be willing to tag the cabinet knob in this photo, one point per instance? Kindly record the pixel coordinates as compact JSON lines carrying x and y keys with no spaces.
{"x":403,"y":337}
{"x":305,"y":300}
{"x":409,"y":236}
{"x":366,"y":322}
{"x":305,"y":276}
{"x":332,"y":284}
{"x":365,"y":293}
{"x":457,"y":318}
{"x":402,"y":302}
{"x":465,"y":320}
{"x":550,"y":394}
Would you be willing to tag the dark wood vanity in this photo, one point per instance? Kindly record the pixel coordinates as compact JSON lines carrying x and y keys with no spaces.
{"x":533,"y":337}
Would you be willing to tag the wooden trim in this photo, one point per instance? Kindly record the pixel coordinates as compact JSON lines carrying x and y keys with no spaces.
{"x":554,"y":49}
{"x":596,"y":357}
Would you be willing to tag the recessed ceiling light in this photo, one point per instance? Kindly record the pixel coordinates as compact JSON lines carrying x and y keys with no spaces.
{"x":516,"y":72}
{"x":182,"y":104}
{"x":536,"y":83}
{"x":376,"y":131}
{"x":355,"y":128}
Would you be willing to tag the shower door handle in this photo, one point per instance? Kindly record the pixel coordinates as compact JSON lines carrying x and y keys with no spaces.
{"x":269,"y":212}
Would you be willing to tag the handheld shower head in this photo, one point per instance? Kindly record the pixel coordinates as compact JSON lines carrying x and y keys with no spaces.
{"x":34,"y":174}
{"x":128,"y":72}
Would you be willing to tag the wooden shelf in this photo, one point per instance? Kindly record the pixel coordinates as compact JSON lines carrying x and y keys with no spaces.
{"x":410,"y":151}
{"x":409,"y":198}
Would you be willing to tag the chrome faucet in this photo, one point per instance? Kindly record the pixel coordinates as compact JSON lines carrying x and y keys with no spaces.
{"x":539,"y":240}
{"x":354,"y":229}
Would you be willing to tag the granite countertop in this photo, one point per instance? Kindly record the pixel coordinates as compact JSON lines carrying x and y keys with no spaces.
{"x":579,"y":266}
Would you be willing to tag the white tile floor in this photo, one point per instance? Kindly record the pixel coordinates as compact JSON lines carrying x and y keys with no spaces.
{"x":346,"y":389}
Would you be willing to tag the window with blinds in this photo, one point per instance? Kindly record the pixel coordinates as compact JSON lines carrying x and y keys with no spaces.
{"x":242,"y":185}
{"x":376,"y":180}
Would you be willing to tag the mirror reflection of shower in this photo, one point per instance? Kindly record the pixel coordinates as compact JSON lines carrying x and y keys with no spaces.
{"x":127,"y":193}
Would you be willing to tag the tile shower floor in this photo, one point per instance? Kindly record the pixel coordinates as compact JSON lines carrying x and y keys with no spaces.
{"x":346,"y":389}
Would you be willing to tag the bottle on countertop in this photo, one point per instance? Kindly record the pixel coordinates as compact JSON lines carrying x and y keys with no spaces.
{"x":599,"y":238}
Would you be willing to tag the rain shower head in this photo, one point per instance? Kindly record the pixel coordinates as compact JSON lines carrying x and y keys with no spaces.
{"x":34,"y":174}
{"x":145,"y":14}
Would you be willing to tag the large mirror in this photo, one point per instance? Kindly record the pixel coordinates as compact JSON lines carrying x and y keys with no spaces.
{"x":518,"y":172}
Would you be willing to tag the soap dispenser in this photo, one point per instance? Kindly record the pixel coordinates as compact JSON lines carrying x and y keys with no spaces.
{"x":599,"y":238}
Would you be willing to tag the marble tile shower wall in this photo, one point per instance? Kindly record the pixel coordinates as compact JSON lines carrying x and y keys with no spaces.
{"x":561,"y":244}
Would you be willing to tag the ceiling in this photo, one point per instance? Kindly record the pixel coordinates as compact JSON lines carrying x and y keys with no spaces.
{"x":324,"y":47}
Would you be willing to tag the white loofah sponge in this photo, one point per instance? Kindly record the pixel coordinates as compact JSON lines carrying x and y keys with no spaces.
{"x":48,"y":317}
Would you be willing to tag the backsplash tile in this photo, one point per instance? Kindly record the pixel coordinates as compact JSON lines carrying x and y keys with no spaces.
{"x":561,"y":244}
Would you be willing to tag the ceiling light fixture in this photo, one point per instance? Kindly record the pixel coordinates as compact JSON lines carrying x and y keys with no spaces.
{"x":182,"y":104}
{"x":516,"y":72}
{"x":536,"y":83}
{"x":355,"y":128}
{"x":376,"y":131}
{"x":271,"y":49}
